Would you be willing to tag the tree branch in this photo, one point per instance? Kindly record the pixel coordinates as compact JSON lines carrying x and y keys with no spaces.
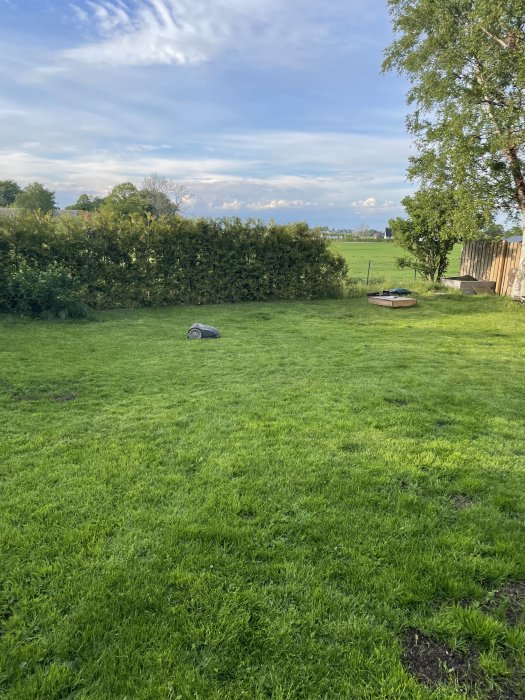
{"x":510,"y":41}
{"x":497,"y":39}
{"x":516,"y":167}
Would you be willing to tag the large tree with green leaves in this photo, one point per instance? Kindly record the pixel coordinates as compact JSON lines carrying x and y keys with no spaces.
{"x":9,"y":190}
{"x":428,"y":233}
{"x":465,"y":60}
{"x":124,"y":200}
{"x":35,"y":197}
{"x":87,"y":203}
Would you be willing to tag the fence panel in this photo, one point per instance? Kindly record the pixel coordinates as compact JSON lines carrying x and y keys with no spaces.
{"x":491,"y":261}
{"x":513,"y":259}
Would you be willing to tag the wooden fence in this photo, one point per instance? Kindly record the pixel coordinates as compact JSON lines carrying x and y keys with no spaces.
{"x":494,"y":262}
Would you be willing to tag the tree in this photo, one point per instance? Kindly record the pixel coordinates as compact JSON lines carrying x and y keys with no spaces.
{"x":86,"y":203}
{"x":428,"y":234}
{"x":494,"y":232}
{"x":125,"y":199}
{"x":165,"y":197}
{"x":9,"y":190}
{"x":465,"y":60}
{"x":35,"y":197}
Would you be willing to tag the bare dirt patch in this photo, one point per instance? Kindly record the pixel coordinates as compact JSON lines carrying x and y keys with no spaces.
{"x":433,"y":662}
{"x":396,"y":401}
{"x":443,"y":424}
{"x":350,"y":447}
{"x":505,"y":692}
{"x":510,"y":600}
{"x":65,"y":397}
{"x":460,"y":502}
{"x":26,"y":397}
{"x":6,"y":614}
{"x":58,"y":393}
{"x":246,"y":514}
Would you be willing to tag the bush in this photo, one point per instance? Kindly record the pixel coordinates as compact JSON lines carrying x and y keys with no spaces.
{"x":125,"y":261}
{"x":49,"y":293}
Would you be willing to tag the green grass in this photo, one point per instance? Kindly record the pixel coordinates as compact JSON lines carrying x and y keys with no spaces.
{"x":382,"y":256}
{"x":263,"y":515}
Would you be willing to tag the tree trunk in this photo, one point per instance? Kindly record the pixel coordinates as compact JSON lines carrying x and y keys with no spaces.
{"x":518,"y":286}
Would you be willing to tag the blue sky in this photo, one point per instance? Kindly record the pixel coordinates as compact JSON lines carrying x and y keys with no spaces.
{"x":262,"y":108}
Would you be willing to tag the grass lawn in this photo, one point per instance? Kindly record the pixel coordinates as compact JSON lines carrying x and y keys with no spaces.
{"x":382,"y":255}
{"x":327,"y":502}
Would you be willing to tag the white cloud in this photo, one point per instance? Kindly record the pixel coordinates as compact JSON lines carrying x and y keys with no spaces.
{"x":183,"y":32}
{"x":109,"y":16}
{"x":368,"y":203}
{"x":236,"y":204}
{"x":259,"y":172}
{"x":281,"y":204}
{"x":263,"y":172}
{"x":372,"y":203}
{"x":99,"y":171}
{"x":231,"y":205}
{"x":336,"y":150}
{"x":81,"y":14}
{"x":164,"y":31}
{"x":146,"y":147}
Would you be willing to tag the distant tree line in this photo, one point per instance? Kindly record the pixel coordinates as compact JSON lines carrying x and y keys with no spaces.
{"x":34,"y":197}
{"x":158,"y":196}
{"x":362,"y":233}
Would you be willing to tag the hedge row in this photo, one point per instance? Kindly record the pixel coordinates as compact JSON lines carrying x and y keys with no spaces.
{"x":134,"y":261}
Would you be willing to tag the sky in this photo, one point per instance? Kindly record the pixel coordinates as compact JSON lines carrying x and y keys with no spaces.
{"x":270,"y":109}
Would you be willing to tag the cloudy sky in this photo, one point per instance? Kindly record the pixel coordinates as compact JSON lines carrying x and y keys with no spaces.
{"x":262,"y":108}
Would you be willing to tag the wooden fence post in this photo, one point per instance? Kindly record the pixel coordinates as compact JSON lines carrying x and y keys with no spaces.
{"x":501,"y":265}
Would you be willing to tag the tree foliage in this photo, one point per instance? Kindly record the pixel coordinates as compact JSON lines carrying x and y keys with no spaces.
{"x":465,"y":60}
{"x":87,"y":203}
{"x":35,"y":197}
{"x":125,"y":199}
{"x":428,"y":234}
{"x":158,"y":196}
{"x":9,"y":190}
{"x":165,"y":197}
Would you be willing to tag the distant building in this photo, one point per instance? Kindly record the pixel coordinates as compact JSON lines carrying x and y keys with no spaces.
{"x":8,"y":211}
{"x":13,"y":211}
{"x":66,"y":212}
{"x":332,"y":235}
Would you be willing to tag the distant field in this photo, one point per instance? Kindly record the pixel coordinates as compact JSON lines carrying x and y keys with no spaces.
{"x":382,"y":256}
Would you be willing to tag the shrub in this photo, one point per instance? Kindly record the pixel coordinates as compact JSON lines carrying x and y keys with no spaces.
{"x":49,"y":293}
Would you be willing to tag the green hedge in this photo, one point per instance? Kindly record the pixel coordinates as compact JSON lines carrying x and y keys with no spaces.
{"x":133,"y":261}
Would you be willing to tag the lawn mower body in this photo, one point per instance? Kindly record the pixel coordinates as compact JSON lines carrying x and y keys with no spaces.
{"x":200,"y":330}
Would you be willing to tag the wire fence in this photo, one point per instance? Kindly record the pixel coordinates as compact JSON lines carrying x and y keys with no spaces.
{"x":375,"y":263}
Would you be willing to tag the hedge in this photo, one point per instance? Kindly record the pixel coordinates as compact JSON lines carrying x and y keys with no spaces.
{"x":138,"y":261}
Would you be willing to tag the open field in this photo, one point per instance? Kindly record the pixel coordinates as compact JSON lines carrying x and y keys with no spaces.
{"x":274,"y":514}
{"x":382,"y":255}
